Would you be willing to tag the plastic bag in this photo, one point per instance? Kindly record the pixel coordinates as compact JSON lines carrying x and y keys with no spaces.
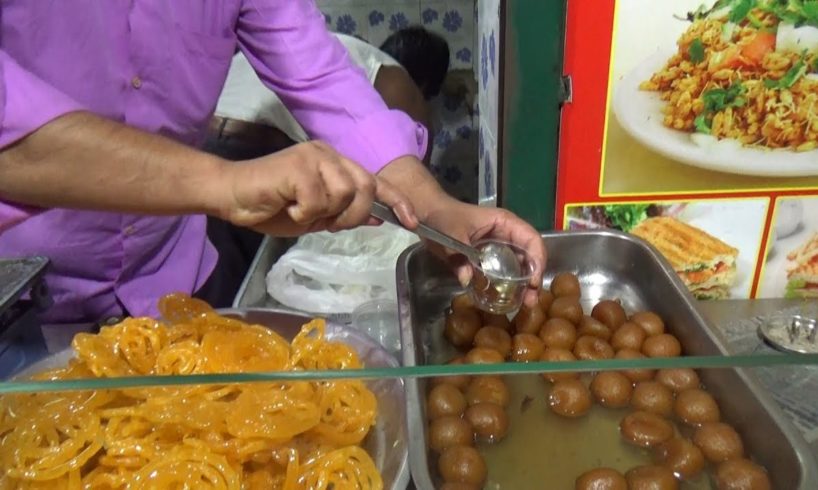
{"x":333,"y":273}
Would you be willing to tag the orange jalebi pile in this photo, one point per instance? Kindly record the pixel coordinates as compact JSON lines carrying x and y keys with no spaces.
{"x":289,"y":435}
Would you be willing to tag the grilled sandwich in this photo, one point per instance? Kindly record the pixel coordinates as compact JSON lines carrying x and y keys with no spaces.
{"x":802,"y":273}
{"x":705,"y":264}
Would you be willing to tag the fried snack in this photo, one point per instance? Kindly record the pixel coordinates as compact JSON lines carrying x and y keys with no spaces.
{"x":706,"y":264}
{"x":738,"y":80}
{"x":284,"y":435}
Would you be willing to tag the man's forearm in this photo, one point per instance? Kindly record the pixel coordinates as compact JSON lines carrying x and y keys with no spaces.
{"x":409,"y":175}
{"x":84,"y":161}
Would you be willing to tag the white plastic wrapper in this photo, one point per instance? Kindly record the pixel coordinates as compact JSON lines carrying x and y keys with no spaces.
{"x":333,"y":273}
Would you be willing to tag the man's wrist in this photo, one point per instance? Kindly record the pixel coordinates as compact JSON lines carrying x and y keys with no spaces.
{"x":211,"y":187}
{"x":409,"y":175}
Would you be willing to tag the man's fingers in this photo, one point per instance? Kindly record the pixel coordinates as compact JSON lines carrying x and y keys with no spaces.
{"x":358,"y":210}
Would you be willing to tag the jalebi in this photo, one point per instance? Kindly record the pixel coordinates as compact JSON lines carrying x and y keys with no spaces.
{"x":288,"y":436}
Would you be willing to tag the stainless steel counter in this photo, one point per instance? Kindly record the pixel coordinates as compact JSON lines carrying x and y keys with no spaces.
{"x":794,"y":388}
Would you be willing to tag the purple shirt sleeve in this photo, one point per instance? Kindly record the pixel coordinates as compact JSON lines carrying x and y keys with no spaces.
{"x":289,"y":46}
{"x":26,"y":103}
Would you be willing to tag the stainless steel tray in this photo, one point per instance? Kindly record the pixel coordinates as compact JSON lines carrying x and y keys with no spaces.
{"x":387,"y":442}
{"x":609,"y":265}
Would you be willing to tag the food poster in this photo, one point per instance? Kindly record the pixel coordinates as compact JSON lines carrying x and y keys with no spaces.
{"x":695,"y":127}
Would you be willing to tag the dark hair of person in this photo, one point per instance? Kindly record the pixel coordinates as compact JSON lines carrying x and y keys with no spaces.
{"x":424,"y":54}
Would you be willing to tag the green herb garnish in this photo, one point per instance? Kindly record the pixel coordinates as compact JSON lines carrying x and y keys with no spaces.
{"x":626,"y":216}
{"x":696,"y":51}
{"x":797,"y":71}
{"x":702,"y":124}
{"x":716,"y":100}
{"x":796,"y":12}
{"x":740,"y":9}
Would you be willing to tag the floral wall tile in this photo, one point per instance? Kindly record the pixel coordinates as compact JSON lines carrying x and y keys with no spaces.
{"x":487,"y":68}
{"x":455,"y":158}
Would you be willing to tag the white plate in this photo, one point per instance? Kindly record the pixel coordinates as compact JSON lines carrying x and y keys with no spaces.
{"x":639,"y":112}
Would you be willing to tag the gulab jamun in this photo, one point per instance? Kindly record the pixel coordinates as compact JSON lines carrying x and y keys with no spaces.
{"x":681,"y":456}
{"x":494,"y":338}
{"x":546,"y":298}
{"x":488,"y":389}
{"x":589,"y":348}
{"x":461,"y":326}
{"x":565,"y":284}
{"x":662,"y":345}
{"x":490,"y":421}
{"x":651,"y":477}
{"x":651,"y":396}
{"x":458,"y":380}
{"x":529,"y":319}
{"x":558,"y":355}
{"x":444,"y":400}
{"x":450,"y":431}
{"x":566,"y":307}
{"x":696,"y":407}
{"x":462,"y":464}
{"x":610,"y":313}
{"x":558,"y":333}
{"x":645,"y":429}
{"x":611,"y":389}
{"x":742,"y":474}
{"x":526,"y":347}
{"x":483,"y":355}
{"x":601,"y":479}
{"x":569,"y":398}
{"x":462,"y":302}
{"x":650,"y":322}
{"x":718,"y":441}
{"x":678,"y":379}
{"x":495,"y":320}
{"x":589,"y":325}
{"x":628,"y":336}
{"x":635,"y":375}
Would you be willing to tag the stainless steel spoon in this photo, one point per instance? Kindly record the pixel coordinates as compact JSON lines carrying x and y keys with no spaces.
{"x":494,"y":258}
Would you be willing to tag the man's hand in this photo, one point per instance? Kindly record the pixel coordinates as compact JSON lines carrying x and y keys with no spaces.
{"x":466,"y":222}
{"x":306,"y":188}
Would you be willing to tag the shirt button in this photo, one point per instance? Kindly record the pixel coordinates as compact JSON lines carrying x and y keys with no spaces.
{"x":136,"y":82}
{"x":129,"y":230}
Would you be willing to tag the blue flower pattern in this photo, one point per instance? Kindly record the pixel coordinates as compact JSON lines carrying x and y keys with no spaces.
{"x":328,"y":19}
{"x":492,"y":52}
{"x":429,"y":15}
{"x":464,"y":132}
{"x":376,"y":17}
{"x":484,"y":61}
{"x":488,"y":176}
{"x":452,"y":21}
{"x":464,"y":55}
{"x":451,"y":103}
{"x":443,"y":139}
{"x":398,"y":21}
{"x":346,"y":24}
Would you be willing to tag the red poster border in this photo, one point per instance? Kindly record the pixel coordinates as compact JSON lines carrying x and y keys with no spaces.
{"x":588,"y":44}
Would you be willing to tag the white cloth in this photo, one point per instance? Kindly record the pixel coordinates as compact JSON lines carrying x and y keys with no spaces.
{"x":245,"y":98}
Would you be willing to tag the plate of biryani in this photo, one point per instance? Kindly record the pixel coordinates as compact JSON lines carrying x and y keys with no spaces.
{"x":738,"y":94}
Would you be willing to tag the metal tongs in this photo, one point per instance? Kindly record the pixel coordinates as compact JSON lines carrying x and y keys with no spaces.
{"x":494,"y":258}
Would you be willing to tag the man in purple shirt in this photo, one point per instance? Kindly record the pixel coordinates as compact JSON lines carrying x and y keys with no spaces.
{"x":102,"y":105}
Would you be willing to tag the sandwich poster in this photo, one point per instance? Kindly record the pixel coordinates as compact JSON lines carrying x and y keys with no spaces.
{"x":696,"y":122}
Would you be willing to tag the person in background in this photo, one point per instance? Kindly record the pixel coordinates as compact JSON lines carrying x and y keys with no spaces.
{"x":103,"y":109}
{"x":251,"y":120}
